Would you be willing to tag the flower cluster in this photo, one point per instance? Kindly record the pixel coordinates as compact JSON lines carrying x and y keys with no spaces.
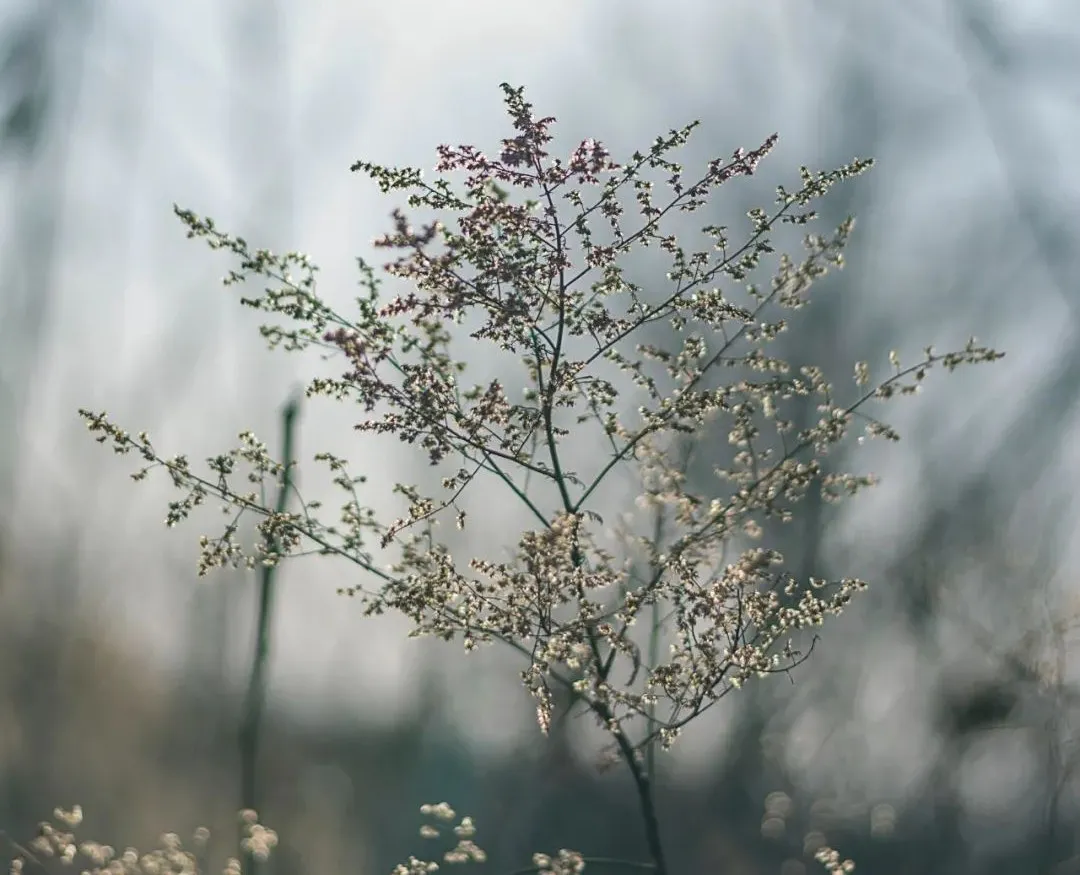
{"x":465,"y":851}
{"x":171,"y":858}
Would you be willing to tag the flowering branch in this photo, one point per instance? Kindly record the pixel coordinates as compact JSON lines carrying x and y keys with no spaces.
{"x":526,"y":263}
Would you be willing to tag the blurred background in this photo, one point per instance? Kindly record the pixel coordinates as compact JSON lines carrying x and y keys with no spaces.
{"x":933,"y":729}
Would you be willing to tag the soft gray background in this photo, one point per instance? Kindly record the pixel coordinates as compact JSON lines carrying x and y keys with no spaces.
{"x":252,"y":112}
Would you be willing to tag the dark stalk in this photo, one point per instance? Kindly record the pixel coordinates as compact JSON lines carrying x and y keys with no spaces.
{"x":255,"y":700}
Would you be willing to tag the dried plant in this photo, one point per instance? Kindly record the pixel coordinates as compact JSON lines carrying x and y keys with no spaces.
{"x":525,"y":258}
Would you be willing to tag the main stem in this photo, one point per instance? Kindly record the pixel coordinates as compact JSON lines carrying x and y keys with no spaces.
{"x":643,"y":786}
{"x":642,"y":782}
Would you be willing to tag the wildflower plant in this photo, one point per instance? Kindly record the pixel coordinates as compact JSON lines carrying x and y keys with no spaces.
{"x":524,"y":261}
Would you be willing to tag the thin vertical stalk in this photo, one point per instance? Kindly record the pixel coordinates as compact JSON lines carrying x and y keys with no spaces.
{"x":655,"y":631}
{"x":255,"y":700}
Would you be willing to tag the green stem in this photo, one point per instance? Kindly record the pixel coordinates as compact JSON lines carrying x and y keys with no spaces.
{"x":255,"y":700}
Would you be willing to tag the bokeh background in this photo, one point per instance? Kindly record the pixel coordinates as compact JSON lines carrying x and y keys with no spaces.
{"x":933,"y":730}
